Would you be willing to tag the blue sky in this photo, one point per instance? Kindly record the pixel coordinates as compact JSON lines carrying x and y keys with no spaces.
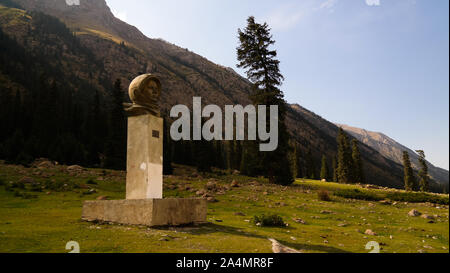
{"x":381,"y":65}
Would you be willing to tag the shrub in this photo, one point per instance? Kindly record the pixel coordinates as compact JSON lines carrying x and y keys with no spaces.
{"x":415,"y":197}
{"x":36,"y":187}
{"x":357,"y":194}
{"x":323,"y":195}
{"x":269,"y":221}
{"x":24,"y":195}
{"x":16,"y":185}
{"x":91,"y":182}
{"x":2,"y":182}
{"x":58,"y":185}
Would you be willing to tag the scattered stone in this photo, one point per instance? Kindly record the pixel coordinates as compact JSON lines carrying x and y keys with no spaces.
{"x":236,"y":172}
{"x":239,"y":214}
{"x":211,"y":186}
{"x":370,"y":232}
{"x":299,"y":221}
{"x":219,"y":221}
{"x":75,"y":168}
{"x":234,"y":184}
{"x":428,"y":217}
{"x":27,"y":180}
{"x":326,"y":212}
{"x":414,"y":213}
{"x":279,"y":248}
{"x":101,"y":198}
{"x":385,"y":202}
{"x":200,"y":192}
{"x":342,"y":225}
{"x":211,"y":200}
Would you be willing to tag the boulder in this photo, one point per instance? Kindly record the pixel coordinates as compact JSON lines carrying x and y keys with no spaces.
{"x":234,"y":184}
{"x":75,"y":168}
{"x":211,"y":186}
{"x":370,"y":232}
{"x":27,"y":180}
{"x":428,"y":217}
{"x":414,"y":213}
{"x":299,"y":221}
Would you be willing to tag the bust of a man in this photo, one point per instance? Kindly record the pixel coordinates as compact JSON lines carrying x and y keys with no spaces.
{"x":145,"y":92}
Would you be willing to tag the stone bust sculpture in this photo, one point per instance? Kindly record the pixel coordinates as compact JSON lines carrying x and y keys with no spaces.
{"x":145,"y":92}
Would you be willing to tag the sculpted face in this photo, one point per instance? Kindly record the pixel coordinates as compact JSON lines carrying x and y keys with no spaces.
{"x":145,"y":90}
{"x":153,"y":89}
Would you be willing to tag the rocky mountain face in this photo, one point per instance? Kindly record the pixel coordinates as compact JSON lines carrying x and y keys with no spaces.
{"x":123,"y":52}
{"x":393,"y":150}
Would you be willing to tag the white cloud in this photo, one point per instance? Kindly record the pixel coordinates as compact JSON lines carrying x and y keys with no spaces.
{"x":122,"y":15}
{"x":329,"y":4}
{"x":373,"y":2}
{"x":284,"y":18}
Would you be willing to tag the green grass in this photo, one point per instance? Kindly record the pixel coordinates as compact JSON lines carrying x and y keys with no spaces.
{"x":48,"y":222}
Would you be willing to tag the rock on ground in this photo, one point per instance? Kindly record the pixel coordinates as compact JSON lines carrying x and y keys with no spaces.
{"x":279,"y":248}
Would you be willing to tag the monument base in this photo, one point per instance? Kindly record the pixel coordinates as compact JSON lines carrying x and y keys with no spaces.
{"x":147,"y":212}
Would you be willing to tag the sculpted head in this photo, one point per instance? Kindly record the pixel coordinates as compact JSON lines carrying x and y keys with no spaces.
{"x":145,"y":90}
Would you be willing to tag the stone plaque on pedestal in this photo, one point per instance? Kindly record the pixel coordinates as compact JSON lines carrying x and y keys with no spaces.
{"x":144,"y":204}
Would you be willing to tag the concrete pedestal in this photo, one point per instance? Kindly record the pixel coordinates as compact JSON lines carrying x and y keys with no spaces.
{"x":145,"y":157}
{"x":148,"y":212}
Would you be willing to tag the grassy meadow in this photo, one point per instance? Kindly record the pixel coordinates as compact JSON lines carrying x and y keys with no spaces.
{"x":40,"y":211}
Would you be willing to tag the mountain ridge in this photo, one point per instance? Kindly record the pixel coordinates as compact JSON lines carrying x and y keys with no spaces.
{"x":185,"y":74}
{"x":392,"y":149}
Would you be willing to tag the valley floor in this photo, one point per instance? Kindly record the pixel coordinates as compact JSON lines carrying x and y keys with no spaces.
{"x":35,"y":221}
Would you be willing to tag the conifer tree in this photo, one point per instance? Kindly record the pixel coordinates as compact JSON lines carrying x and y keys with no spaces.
{"x":358,"y":171}
{"x":263,"y":71}
{"x":410,"y":180}
{"x":344,"y":158}
{"x":324,"y":172}
{"x":167,"y":149}
{"x":299,"y":166}
{"x":116,"y":146}
{"x":310,"y":165}
{"x":424,"y":182}
{"x":203,"y":155}
{"x":335,"y":170}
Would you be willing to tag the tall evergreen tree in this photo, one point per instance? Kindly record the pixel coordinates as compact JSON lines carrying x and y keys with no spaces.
{"x":424,"y":181}
{"x":335,"y":170}
{"x":357,"y":164}
{"x":345,"y":160}
{"x":167,"y":148}
{"x":324,"y":172}
{"x":310,"y":166}
{"x":299,"y":166}
{"x":410,"y":180}
{"x":117,"y":141}
{"x":263,"y":71}
{"x":204,"y":156}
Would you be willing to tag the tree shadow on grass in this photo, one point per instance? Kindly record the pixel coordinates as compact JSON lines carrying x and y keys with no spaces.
{"x":210,"y":228}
